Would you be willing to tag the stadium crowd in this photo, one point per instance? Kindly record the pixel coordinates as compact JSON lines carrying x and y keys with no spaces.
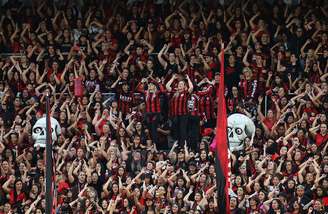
{"x":133,"y":87}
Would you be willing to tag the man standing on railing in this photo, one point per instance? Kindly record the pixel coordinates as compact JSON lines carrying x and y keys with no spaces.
{"x":152,"y":91}
{"x":178,"y":106}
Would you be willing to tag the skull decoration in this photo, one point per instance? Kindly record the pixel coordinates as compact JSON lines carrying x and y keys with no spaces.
{"x":39,"y":131}
{"x":239,"y":127}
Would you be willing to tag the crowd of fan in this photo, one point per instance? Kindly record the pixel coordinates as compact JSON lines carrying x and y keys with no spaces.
{"x":133,"y":86}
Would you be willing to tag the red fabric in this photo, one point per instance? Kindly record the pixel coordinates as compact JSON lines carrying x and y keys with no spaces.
{"x":325,"y":201}
{"x":221,"y":134}
{"x":50,"y":71}
{"x":230,"y":70}
{"x":232,"y":103}
{"x":257,"y":71}
{"x":210,"y":72}
{"x":319,"y":139}
{"x":62,"y":186}
{"x":275,"y":156}
{"x":269,"y":123}
{"x":190,"y":71}
{"x":310,"y":110}
{"x":19,"y":198}
{"x":248,"y":87}
{"x":207,"y":132}
{"x":178,"y":104}
{"x":153,"y":104}
{"x":143,"y":57}
{"x":78,"y":87}
{"x":206,"y":102}
{"x":176,"y":41}
{"x":125,"y":102}
{"x":102,"y":123}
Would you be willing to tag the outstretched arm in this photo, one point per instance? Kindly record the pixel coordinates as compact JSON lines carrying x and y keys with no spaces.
{"x":260,"y":99}
{"x":169,"y":83}
{"x":246,"y":63}
{"x":160,"y":57}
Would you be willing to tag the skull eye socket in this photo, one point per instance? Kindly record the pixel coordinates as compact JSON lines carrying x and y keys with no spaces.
{"x":238,"y":131}
{"x":37,"y":130}
{"x":229,"y":129}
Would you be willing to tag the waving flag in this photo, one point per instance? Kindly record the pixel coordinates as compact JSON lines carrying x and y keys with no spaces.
{"x":221,"y":145}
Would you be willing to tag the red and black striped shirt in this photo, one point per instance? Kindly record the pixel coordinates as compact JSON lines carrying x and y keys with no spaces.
{"x":206,"y":102}
{"x":193,"y":105}
{"x":178,"y":104}
{"x":152,"y":100}
{"x":153,"y":104}
{"x":248,"y":88}
{"x":190,"y":71}
{"x":125,"y":102}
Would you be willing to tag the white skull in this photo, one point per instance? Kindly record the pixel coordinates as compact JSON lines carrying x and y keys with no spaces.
{"x":239,"y":127}
{"x":39,"y":131}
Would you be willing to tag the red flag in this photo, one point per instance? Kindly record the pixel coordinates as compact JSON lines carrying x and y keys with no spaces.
{"x":222,"y":144}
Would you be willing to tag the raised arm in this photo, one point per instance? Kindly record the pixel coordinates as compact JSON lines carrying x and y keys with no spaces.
{"x":260,"y":99}
{"x":5,"y":186}
{"x":168,"y":19}
{"x":160,"y":57}
{"x":314,"y":130}
{"x":190,"y":85}
{"x":246,"y":63}
{"x":169,"y":83}
{"x":304,"y":46}
{"x":150,"y":47}
{"x":251,"y":21}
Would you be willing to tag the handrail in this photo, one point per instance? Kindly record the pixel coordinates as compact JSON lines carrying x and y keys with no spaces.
{"x":5,"y":55}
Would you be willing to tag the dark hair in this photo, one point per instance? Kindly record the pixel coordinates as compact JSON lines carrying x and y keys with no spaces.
{"x":15,"y":192}
{"x":281,"y":208}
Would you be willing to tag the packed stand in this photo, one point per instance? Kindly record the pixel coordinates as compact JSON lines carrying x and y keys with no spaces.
{"x":133,"y":86}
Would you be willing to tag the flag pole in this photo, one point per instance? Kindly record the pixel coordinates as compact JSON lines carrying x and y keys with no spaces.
{"x":49,"y":164}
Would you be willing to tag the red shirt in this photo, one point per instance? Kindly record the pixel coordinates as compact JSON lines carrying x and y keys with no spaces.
{"x":153,"y":104}
{"x":178,"y":103}
{"x":176,"y":41}
{"x":269,"y":123}
{"x":310,"y":110}
{"x":190,"y":71}
{"x":213,"y":66}
{"x":319,"y":139}
{"x":15,"y":47}
{"x":102,"y":123}
{"x":19,"y":198}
